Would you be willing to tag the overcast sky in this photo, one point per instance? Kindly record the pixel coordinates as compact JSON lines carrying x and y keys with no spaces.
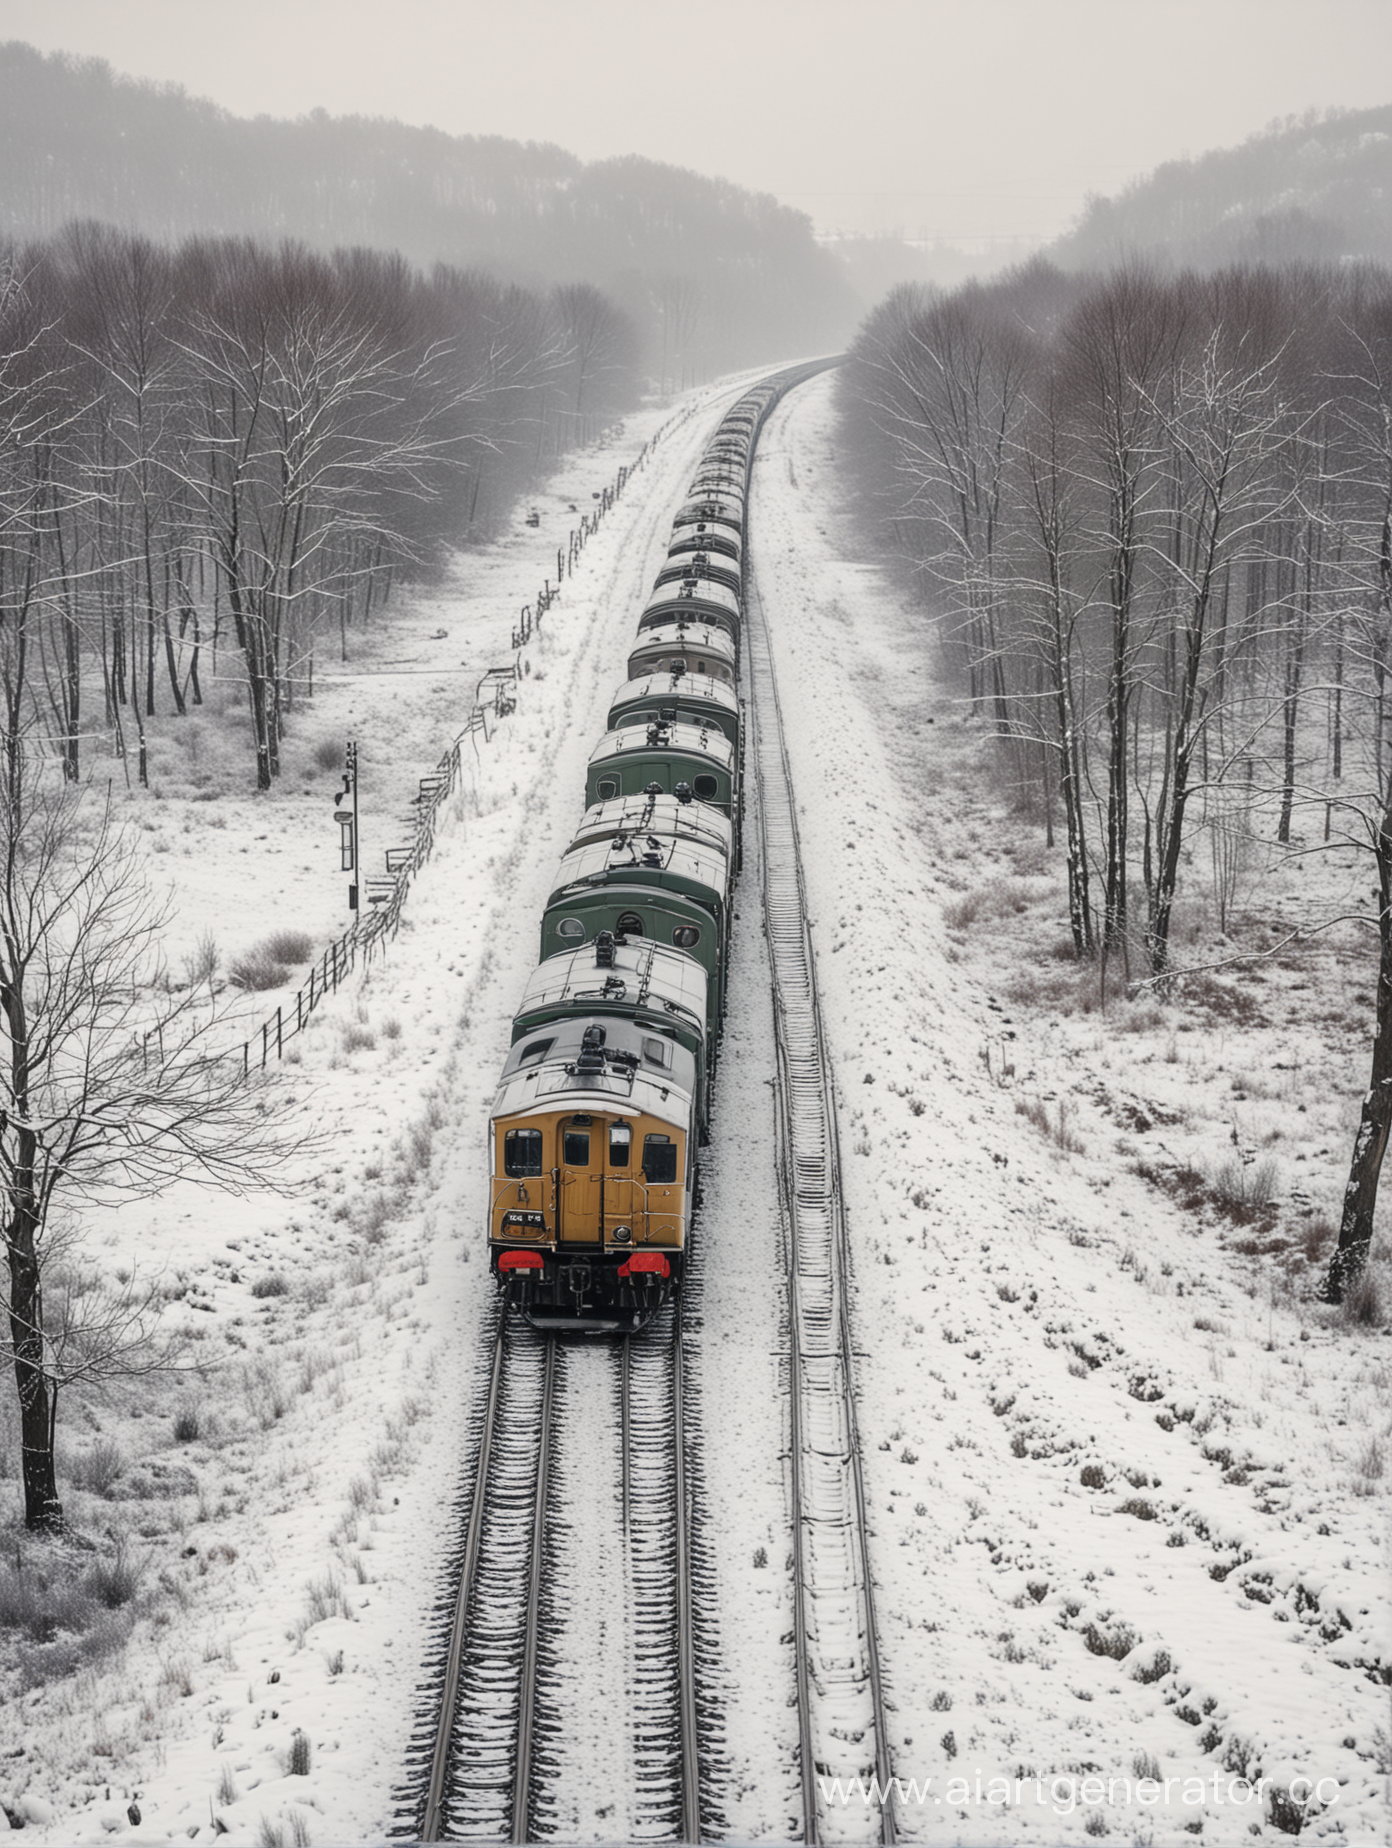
{"x":957,"y":118}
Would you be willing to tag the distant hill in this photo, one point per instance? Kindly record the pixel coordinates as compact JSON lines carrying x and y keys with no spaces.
{"x":713,"y":275}
{"x":1318,"y":188}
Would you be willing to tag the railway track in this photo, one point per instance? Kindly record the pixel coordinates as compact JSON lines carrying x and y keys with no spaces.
{"x":492,"y":1760}
{"x":840,"y":1692}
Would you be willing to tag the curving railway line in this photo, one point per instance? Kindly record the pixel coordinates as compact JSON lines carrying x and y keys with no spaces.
{"x":495,"y":1758}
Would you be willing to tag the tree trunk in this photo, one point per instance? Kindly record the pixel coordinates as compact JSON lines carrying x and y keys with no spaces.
{"x":43,"y":1512}
{"x":1375,"y":1119}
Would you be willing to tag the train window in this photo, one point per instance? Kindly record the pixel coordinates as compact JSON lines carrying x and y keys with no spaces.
{"x":575,"y":1148}
{"x":571,"y":928}
{"x":686,"y":936}
{"x":629,"y":924}
{"x":538,"y":1049}
{"x":655,"y":1050}
{"x":522,"y":1151}
{"x":620,"y":1144}
{"x":659,"y":1159}
{"x":607,"y":787}
{"x":705,"y":787}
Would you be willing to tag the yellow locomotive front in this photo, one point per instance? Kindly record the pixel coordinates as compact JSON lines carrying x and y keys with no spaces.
{"x":592,"y":1171}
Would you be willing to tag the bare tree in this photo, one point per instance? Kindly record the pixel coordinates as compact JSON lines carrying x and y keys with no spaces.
{"x":598,"y":343}
{"x":1221,"y":421}
{"x":1367,"y":376}
{"x":110,"y":1088}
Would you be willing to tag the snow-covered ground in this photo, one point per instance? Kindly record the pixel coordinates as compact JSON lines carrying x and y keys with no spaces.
{"x":1128,"y":1481}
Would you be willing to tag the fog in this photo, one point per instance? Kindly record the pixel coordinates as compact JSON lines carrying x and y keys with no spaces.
{"x":985,"y":120}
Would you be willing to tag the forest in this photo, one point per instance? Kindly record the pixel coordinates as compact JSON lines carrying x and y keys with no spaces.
{"x":1154,"y":517}
{"x":224,"y":445}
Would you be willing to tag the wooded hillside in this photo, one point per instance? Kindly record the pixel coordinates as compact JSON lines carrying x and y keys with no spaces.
{"x":1316,"y":190}
{"x":712,"y":276}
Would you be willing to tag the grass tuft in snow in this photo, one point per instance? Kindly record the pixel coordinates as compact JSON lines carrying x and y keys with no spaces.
{"x":97,"y":1468}
{"x":1363,"y":1304}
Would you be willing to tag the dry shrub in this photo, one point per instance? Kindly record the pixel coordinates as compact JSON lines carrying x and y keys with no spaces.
{"x":201,"y":965}
{"x":65,"y":1614}
{"x":327,"y":754}
{"x":1243,"y":1189}
{"x":1116,"y":1642}
{"x":1370,"y":1466}
{"x":1156,"y":1669}
{"x":289,"y":946}
{"x":1317,"y":1235}
{"x":1223,"y":1000}
{"x":1058,"y":1128}
{"x":960,"y":913}
{"x":257,"y":971}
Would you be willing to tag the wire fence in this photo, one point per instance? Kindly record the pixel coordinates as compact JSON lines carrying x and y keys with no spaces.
{"x":495,"y":698}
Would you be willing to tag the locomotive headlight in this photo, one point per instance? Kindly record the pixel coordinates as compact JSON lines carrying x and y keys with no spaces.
{"x":621,"y":1235}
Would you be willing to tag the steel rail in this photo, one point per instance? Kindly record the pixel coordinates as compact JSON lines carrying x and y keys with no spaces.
{"x":686,"y":1654}
{"x":657,"y":1518}
{"x":834,"y":1593}
{"x":526,"y":1718}
{"x":439,"y":1760}
{"x":481,"y":1754}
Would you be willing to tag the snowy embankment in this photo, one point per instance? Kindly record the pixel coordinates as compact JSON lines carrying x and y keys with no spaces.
{"x":1128,"y":1477}
{"x":282,"y":1505}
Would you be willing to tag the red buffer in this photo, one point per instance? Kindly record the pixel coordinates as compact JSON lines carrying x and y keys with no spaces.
{"x":642,"y":1263}
{"x":522,"y":1261}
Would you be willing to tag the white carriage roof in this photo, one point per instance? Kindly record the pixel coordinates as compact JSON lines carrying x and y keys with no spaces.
{"x":660,"y":815}
{"x":543,"y":1084}
{"x":643,"y":973}
{"x":705,"y":590}
{"x":690,"y":740}
{"x":591,"y":864}
{"x":676,"y":687}
{"x":701,"y":636}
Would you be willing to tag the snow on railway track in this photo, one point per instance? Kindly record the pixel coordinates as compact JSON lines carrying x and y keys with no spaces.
{"x":839,"y":1684}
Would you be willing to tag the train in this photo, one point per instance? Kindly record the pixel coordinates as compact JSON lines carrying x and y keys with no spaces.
{"x":605,"y":1096}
